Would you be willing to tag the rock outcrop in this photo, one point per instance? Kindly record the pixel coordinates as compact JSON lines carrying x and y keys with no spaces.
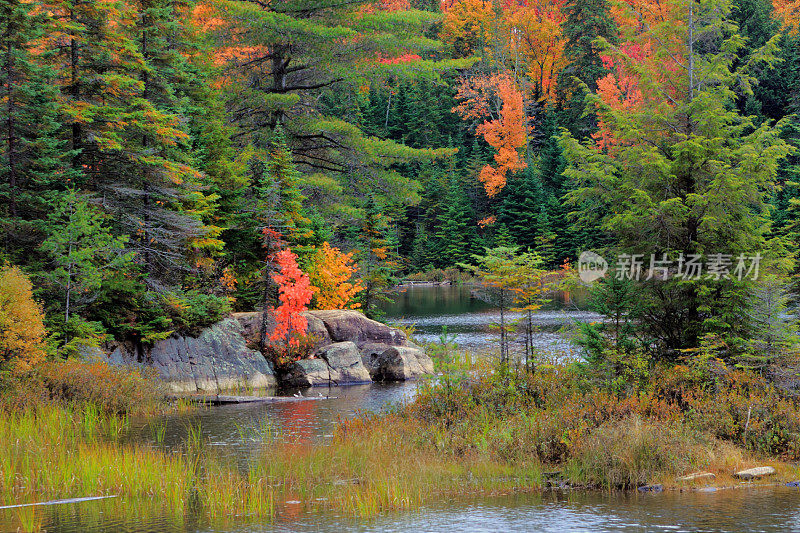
{"x":218,"y":359}
{"x":335,"y":364}
{"x":395,"y":363}
{"x":346,"y":325}
{"x":349,"y":348}
{"x":385,"y":353}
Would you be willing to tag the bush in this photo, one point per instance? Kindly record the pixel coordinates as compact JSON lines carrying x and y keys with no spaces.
{"x":22,"y":332}
{"x":191,"y":311}
{"x":283,"y":354}
{"x":114,"y":389}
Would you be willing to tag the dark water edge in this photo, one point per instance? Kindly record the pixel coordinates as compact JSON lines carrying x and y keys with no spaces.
{"x":769,"y":509}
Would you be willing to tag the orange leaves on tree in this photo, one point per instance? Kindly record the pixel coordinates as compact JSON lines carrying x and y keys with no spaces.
{"x":294,"y":293}
{"x":487,"y":221}
{"x":467,"y":25}
{"x":535,"y":37}
{"x":405,"y":58}
{"x":505,"y":131}
{"x":331,"y":276}
{"x":789,"y":12}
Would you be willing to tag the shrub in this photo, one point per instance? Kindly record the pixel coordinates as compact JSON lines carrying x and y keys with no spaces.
{"x":22,"y":331}
{"x":113,"y":389}
{"x":283,"y":354}
{"x":191,"y":311}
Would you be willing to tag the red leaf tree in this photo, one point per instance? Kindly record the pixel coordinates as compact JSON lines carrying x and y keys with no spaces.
{"x":294,"y":294}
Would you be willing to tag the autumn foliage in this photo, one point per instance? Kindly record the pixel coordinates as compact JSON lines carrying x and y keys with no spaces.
{"x":22,"y":330}
{"x":789,"y":12}
{"x":294,"y":293}
{"x":505,"y":130}
{"x":332,"y":277}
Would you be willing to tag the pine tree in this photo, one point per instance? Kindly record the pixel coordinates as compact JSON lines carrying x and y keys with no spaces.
{"x":294,"y":223}
{"x":32,"y":159}
{"x":457,"y":234}
{"x":676,"y":169}
{"x":81,"y":253}
{"x":378,"y":263}
{"x":586,"y":20}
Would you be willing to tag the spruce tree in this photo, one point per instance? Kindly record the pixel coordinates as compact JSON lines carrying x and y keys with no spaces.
{"x":33,"y":166}
{"x":678,"y":170}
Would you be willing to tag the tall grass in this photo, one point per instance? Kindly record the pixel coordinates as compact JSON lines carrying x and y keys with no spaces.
{"x":477,"y":430}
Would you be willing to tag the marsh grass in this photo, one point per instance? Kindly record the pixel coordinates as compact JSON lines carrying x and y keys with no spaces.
{"x":477,"y":430}
{"x":28,"y":519}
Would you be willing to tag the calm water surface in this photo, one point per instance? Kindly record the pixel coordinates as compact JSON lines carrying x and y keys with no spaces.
{"x":235,"y":429}
{"x":468,"y":320}
{"x":733,"y":510}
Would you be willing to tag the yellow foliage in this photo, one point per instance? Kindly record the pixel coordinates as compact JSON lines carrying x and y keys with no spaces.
{"x":22,"y":330}
{"x":331,"y":276}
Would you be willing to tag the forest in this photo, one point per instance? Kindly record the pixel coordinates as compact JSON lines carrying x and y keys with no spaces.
{"x":197,"y":184}
{"x":166,"y":161}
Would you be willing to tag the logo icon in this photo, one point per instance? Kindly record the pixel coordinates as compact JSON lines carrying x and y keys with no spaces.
{"x":591,"y":267}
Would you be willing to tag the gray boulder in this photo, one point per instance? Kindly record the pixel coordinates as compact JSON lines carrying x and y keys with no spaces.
{"x":335,"y":364}
{"x":395,"y":363}
{"x":316,"y":327}
{"x":347,"y":325}
{"x":345,"y":363}
{"x":308,"y":373}
{"x":217,"y":360}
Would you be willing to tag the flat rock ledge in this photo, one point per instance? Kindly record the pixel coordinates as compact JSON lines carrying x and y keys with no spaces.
{"x":754,"y":473}
{"x":349,"y":348}
{"x":216,"y":360}
{"x":696,"y":476}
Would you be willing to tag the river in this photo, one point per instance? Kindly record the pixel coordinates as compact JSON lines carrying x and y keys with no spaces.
{"x":231,"y":430}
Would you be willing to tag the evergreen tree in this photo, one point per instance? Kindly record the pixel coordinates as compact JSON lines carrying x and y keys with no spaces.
{"x":457,"y":235}
{"x":586,"y":20}
{"x":292,"y":219}
{"x":687,"y":176}
{"x":81,"y":253}
{"x":378,"y":263}
{"x":32,"y":159}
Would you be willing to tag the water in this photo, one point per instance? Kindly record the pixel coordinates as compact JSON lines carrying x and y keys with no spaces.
{"x":765,"y":509}
{"x":468,"y":320}
{"x":232,"y":428}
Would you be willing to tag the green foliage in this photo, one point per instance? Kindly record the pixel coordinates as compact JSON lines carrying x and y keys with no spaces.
{"x":191,"y":311}
{"x":694,"y":178}
{"x":81,"y":253}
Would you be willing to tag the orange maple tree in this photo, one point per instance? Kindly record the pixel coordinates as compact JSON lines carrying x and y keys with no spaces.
{"x":331,"y":277}
{"x":535,"y":38}
{"x":294,"y":293}
{"x":789,"y":12}
{"x":505,"y":130}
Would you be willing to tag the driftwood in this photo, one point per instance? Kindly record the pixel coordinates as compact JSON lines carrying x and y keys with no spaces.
{"x":222,"y":399}
{"x":59,"y":502}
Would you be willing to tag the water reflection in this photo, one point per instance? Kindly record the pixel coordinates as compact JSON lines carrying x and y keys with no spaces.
{"x":235,"y":428}
{"x":469,"y":320}
{"x":765,"y":509}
